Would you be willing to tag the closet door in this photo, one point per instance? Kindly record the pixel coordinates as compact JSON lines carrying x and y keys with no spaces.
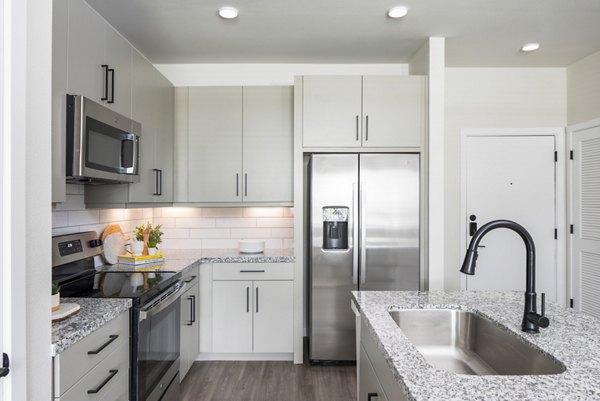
{"x":585,"y":220}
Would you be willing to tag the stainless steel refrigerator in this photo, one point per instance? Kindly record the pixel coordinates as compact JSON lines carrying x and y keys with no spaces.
{"x":364,"y":234}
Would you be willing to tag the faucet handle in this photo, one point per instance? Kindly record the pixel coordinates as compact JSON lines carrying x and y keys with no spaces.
{"x":543,"y":321}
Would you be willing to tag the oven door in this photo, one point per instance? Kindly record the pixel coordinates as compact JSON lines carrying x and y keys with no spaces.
{"x":156,"y":342}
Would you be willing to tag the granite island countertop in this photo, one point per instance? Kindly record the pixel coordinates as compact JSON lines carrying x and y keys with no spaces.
{"x":94,"y":313}
{"x":572,"y":338}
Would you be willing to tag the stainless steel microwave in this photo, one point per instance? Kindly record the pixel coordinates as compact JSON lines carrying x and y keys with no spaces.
{"x":102,"y":146}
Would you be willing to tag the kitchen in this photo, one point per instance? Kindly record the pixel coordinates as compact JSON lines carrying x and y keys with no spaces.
{"x":487,"y":90}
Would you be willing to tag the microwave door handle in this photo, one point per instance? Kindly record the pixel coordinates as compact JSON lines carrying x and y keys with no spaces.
{"x":162,"y":305}
{"x":129,"y":137}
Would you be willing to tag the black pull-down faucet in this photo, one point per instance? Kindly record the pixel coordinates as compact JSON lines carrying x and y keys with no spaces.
{"x":532,"y":321}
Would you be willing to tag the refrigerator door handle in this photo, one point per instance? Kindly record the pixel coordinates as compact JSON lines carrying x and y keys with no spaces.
{"x":355,"y":195}
{"x":363,"y":233}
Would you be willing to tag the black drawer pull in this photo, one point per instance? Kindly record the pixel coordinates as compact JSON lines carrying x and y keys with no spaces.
{"x":371,"y":395}
{"x":111,"y":338}
{"x":190,"y":279}
{"x":252,"y":271}
{"x":112,"y":374}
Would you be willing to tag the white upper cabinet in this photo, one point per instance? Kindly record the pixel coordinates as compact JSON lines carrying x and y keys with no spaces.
{"x":370,"y":111}
{"x":118,"y":53}
{"x":215,"y":144}
{"x":268,"y":144}
{"x":86,"y":52}
{"x":332,"y":111}
{"x":238,"y":145}
{"x":393,"y":111}
{"x":99,"y":59}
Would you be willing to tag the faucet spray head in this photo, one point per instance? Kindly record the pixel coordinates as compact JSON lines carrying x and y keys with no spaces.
{"x":468,"y":266}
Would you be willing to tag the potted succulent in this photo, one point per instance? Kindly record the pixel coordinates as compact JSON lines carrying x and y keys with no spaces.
{"x":152,"y":236}
{"x":55,"y":297}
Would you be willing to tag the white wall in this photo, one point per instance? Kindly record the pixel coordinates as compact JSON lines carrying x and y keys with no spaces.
{"x":492,"y":98}
{"x":265,"y":74}
{"x":583,"y":90}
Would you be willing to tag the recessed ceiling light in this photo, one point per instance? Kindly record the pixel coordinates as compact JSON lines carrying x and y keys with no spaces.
{"x":529,"y":47}
{"x":397,"y":12}
{"x":228,"y":12}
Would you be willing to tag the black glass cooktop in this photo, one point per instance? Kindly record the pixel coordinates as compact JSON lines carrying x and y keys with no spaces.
{"x":139,"y":286}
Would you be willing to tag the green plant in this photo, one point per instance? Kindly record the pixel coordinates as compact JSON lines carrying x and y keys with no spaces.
{"x":154,"y":237}
{"x":55,"y":288}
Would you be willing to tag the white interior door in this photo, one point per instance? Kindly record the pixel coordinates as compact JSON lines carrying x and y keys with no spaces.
{"x":513,"y":178}
{"x":585,"y":217}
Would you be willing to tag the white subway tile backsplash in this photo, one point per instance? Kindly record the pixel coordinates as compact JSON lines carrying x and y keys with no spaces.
{"x":187,"y":243}
{"x":194,"y":222}
{"x":165,"y":222}
{"x":273,"y":243}
{"x":176,"y":232}
{"x":244,"y":233}
{"x":181,"y":212}
{"x":112,"y":215}
{"x":288,"y":212}
{"x":288,"y":243}
{"x":263,"y":212}
{"x":64,"y":230}
{"x":275,"y":222}
{"x":219,"y":243}
{"x":210,"y":233}
{"x":239,"y":222}
{"x":222,"y":212}
{"x":98,"y":228}
{"x":60,"y":219}
{"x":83,"y":217}
{"x":282,"y":232}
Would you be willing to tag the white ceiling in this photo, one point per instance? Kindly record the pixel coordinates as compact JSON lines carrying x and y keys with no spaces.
{"x":479,"y":32}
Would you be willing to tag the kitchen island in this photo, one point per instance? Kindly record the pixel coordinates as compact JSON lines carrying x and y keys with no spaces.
{"x":572,"y":339}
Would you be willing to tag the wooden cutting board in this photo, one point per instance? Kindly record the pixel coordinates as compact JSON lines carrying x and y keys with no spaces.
{"x":114,"y":242}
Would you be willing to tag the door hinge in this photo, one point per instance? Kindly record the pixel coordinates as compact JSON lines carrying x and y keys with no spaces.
{"x":571,"y":154}
{"x":555,"y":156}
{"x":571,"y":303}
{"x":571,"y":228}
{"x":556,"y":233}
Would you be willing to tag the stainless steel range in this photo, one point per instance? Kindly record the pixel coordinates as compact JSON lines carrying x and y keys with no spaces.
{"x":154,"y":317}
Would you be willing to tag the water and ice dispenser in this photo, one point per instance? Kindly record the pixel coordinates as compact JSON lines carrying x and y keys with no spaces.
{"x":335,"y":227}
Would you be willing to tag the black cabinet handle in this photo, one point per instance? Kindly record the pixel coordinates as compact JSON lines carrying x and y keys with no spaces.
{"x":190,"y":279}
{"x":156,"y":190}
{"x":245,"y":184}
{"x":160,"y":182}
{"x":237,"y":184}
{"x":4,"y":370}
{"x":105,"y":68}
{"x":367,"y":128}
{"x":191,"y":321}
{"x":193,"y":308}
{"x":113,"y":373}
{"x":98,"y":350}
{"x":112,"y":85}
{"x":247,"y":299}
{"x":252,"y":271}
{"x":371,"y":395}
{"x":357,"y":128}
{"x":256,"y":299}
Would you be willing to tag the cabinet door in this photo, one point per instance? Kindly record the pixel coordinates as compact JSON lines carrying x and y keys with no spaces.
{"x":273,"y":316}
{"x":189,"y":330}
{"x":232,"y":316}
{"x":368,"y":387}
{"x":145,"y":110}
{"x":164,"y":139}
{"x":332,"y":111}
{"x":215,"y":144}
{"x":118,"y":58}
{"x":393,"y":111}
{"x":85,"y":51}
{"x":268,"y":144}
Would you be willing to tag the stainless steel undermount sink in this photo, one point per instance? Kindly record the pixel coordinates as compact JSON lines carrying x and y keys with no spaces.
{"x":467,"y":343}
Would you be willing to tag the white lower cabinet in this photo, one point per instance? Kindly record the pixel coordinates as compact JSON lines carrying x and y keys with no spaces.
{"x":369,"y":388}
{"x":251,"y":313}
{"x":190,"y":334}
{"x":97,"y":367}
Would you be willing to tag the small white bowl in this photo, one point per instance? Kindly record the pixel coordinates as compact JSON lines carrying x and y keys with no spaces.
{"x":251,"y":246}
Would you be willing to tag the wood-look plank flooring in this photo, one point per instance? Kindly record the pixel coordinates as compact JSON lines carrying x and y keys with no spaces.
{"x":268,"y":381}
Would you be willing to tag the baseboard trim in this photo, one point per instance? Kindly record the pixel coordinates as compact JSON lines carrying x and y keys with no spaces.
{"x":245,"y":356}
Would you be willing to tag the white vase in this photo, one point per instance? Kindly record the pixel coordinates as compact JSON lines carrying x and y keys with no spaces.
{"x":152,"y":251}
{"x":55,"y":302}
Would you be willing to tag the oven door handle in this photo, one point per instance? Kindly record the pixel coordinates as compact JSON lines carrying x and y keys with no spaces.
{"x":163,"y":304}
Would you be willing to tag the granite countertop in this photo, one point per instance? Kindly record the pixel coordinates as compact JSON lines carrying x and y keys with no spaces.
{"x":94,"y":313}
{"x":572,"y":338}
{"x":181,"y":260}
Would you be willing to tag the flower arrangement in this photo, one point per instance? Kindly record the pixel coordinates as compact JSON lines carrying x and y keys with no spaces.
{"x":154,"y":234}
